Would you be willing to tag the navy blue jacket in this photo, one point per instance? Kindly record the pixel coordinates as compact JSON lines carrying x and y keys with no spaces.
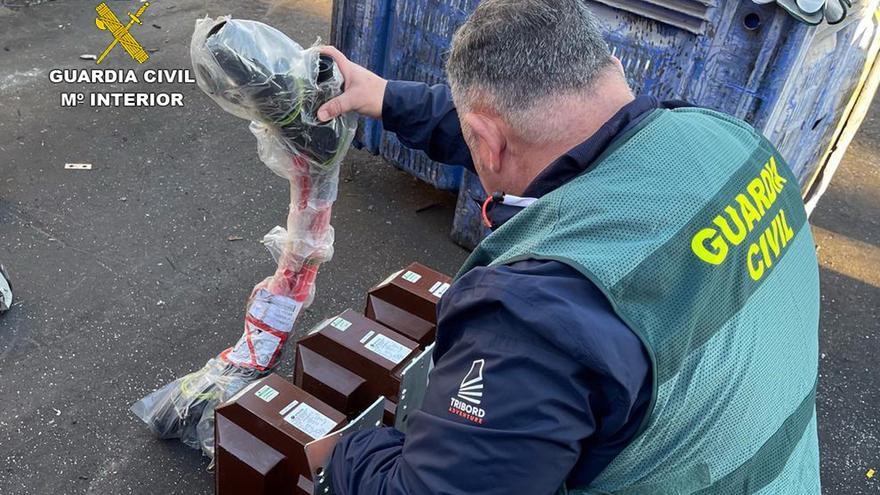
{"x":565,"y":384}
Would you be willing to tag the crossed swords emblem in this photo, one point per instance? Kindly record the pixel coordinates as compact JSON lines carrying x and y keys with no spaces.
{"x":107,"y":20}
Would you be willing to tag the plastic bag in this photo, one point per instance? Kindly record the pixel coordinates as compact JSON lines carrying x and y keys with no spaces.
{"x":257,"y":73}
{"x":175,"y":410}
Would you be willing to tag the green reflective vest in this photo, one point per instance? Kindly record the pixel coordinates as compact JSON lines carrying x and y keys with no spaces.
{"x":694,"y":228}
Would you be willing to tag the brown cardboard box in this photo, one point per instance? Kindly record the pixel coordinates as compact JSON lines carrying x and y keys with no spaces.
{"x":261,"y":435}
{"x":407,"y":302}
{"x":389,"y":413}
{"x":365,"y":348}
{"x":330,"y":382}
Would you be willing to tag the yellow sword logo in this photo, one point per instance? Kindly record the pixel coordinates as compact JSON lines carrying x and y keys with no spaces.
{"x":107,"y":20}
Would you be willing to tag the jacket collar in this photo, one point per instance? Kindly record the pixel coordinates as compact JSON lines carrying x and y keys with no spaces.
{"x":577,"y":159}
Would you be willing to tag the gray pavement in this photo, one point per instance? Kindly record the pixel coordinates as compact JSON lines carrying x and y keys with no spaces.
{"x":846,"y":226}
{"x":126,"y":279}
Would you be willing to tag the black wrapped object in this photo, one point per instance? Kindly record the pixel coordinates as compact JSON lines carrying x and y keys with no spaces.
{"x":256,"y":72}
{"x":177,"y":409}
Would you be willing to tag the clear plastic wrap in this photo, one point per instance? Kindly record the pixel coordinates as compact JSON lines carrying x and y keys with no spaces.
{"x":175,"y":410}
{"x":257,"y":73}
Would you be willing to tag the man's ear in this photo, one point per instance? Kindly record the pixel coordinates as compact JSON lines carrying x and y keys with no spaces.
{"x":489,"y":139}
{"x":619,"y":65}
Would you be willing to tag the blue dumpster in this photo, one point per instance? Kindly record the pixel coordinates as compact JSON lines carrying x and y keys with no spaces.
{"x":794,"y":82}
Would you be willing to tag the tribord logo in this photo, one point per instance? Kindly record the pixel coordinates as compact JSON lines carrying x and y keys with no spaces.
{"x":470,"y":395}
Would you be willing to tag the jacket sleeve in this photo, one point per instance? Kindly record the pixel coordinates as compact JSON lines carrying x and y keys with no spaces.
{"x":510,"y":403}
{"x":424,"y":118}
{"x":517,"y":437}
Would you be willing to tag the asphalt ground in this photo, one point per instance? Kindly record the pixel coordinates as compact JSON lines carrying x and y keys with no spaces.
{"x":126,"y":277}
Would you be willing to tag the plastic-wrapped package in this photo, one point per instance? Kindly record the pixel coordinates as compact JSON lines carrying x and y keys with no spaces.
{"x":175,"y":410}
{"x":257,"y":73}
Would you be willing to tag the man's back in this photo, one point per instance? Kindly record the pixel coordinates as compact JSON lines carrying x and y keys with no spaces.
{"x":703,"y":249}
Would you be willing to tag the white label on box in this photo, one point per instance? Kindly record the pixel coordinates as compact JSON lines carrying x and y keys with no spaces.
{"x":439,"y":289}
{"x":267,"y":393}
{"x":288,"y":407}
{"x":389,"y":349}
{"x":340,"y":324}
{"x":411,"y":276}
{"x":308,"y":420}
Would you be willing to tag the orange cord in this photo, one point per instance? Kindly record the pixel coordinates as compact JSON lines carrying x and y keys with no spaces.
{"x":486,"y":221}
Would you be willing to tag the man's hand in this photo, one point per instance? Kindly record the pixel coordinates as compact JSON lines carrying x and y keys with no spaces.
{"x":364,"y":90}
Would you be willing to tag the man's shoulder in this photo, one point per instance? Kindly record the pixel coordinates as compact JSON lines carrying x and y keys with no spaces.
{"x":543,"y":299}
{"x":533,"y":281}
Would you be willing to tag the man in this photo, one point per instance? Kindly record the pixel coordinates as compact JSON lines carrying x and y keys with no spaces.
{"x":644,"y":317}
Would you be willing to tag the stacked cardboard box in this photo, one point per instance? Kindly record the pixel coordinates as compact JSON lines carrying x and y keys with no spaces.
{"x":341,"y":368}
{"x":351,"y":360}
{"x":261,"y":436}
{"x":406,"y":302}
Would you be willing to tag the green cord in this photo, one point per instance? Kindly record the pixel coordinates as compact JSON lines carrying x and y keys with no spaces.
{"x":298,"y":109}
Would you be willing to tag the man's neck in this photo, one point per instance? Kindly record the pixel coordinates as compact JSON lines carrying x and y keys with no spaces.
{"x":581,"y":116}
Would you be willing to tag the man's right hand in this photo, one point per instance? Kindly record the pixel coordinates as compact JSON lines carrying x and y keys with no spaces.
{"x":364,"y":90}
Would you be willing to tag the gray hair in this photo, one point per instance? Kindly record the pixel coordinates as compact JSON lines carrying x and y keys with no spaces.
{"x":515,"y":54}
